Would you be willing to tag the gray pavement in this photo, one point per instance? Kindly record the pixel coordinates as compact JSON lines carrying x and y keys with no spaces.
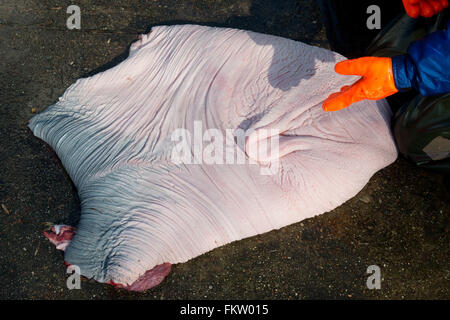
{"x":399,"y":221}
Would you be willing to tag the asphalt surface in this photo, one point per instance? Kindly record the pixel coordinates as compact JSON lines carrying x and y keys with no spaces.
{"x":399,"y":221}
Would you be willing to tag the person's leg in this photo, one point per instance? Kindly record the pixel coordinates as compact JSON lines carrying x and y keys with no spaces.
{"x":422,"y":132}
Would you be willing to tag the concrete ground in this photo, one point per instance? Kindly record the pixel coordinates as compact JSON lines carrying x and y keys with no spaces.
{"x":399,"y":221}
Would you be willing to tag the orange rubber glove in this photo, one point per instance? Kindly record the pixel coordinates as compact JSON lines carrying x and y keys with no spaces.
{"x":424,"y":8}
{"x":377,"y":82}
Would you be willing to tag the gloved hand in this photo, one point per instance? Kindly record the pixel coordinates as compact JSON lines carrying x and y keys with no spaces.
{"x":377,"y":82}
{"x":424,"y":8}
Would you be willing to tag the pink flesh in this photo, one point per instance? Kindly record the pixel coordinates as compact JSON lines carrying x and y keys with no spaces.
{"x":61,"y":236}
{"x":149,"y":279}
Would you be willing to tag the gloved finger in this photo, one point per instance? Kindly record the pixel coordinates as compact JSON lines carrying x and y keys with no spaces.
{"x":436,"y":5}
{"x":444,"y":3}
{"x":426,"y":10}
{"x":412,"y":8}
{"x":332,"y":96}
{"x":357,"y":67}
{"x":345,"y":98}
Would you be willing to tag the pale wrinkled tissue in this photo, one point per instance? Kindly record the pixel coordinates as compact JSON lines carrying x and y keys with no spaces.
{"x":139,"y":209}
